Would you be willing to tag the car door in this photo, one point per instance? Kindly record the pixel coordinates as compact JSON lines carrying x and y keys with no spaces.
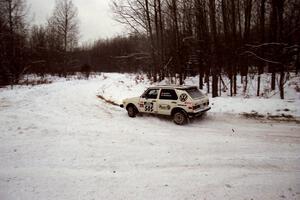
{"x":148,"y":101}
{"x":167,"y":100}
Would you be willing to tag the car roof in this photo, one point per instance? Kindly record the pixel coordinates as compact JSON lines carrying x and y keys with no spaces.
{"x":180,"y":87}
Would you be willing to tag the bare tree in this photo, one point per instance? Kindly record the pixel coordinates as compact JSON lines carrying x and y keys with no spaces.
{"x":65,"y":18}
{"x":65,"y":23}
{"x":12,"y":39}
{"x":212,"y":14}
{"x":131,"y":13}
{"x":212,"y":37}
{"x":262,"y":12}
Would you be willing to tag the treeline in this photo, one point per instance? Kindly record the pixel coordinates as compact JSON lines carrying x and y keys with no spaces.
{"x":40,"y":49}
{"x":168,"y":38}
{"x":119,"y":54}
{"x":213,"y":37}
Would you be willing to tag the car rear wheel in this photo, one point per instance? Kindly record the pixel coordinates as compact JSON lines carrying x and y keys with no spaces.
{"x":180,"y":118}
{"x":131,"y":110}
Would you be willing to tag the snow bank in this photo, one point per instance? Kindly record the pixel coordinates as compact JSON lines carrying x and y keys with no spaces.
{"x":291,"y":87}
{"x":117,"y":87}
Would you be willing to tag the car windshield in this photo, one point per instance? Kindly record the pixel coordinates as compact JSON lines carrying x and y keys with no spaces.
{"x":194,"y":93}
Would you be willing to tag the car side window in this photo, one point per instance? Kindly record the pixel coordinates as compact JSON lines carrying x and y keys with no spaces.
{"x":151,"y":94}
{"x":168,"y":94}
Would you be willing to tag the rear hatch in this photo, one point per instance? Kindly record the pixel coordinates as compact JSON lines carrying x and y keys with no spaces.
{"x":200,"y":100}
{"x":195,"y":93}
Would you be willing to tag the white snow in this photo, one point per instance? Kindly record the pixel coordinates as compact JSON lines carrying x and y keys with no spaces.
{"x":59,"y":141}
{"x":120,"y":86}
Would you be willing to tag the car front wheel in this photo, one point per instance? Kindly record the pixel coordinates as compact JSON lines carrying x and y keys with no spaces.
{"x":131,"y":110}
{"x":180,"y":118}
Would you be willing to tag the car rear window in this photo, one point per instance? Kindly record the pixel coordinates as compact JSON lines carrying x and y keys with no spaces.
{"x":194,"y":93}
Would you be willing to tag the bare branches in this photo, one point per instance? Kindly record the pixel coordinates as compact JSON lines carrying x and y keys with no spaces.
{"x":260,"y":58}
{"x":131,"y":14}
{"x":65,"y":20}
{"x":266,"y":44}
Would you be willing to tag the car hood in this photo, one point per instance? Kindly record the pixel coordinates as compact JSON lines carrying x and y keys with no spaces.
{"x":132,"y":100}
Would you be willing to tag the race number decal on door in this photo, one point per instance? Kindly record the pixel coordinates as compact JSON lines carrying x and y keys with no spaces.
{"x":148,"y":107}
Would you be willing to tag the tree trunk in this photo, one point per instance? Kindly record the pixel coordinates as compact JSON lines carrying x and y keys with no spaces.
{"x":234,"y":83}
{"x":180,"y":78}
{"x":281,"y":84}
{"x":157,"y":32}
{"x":258,"y":85}
{"x":207,"y":82}
{"x":151,"y":40}
{"x":297,"y":63}
{"x":214,"y":85}
{"x":161,"y":31}
{"x":247,"y":29}
{"x":200,"y":79}
{"x":239,"y":20}
{"x":273,"y":80}
{"x":234,"y":44}
{"x":212,"y":11}
{"x":231,"y":85}
{"x":220,"y":86}
{"x":262,"y":39}
{"x":245,"y":84}
{"x":248,"y":8}
{"x":177,"y":41}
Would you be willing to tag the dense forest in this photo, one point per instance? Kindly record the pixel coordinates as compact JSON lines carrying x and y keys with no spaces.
{"x":170,"y":38}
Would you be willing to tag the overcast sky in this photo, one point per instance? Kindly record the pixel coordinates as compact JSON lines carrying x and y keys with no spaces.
{"x":96,"y":18}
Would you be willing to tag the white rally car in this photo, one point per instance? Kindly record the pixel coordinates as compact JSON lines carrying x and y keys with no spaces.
{"x":180,"y":102}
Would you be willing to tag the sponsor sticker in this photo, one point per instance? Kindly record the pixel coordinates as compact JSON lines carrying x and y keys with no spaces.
{"x":183,"y":97}
{"x":164,"y":107}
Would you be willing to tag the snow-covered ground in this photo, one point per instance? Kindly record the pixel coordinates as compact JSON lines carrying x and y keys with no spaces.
{"x":116,"y":87}
{"x":59,"y":141}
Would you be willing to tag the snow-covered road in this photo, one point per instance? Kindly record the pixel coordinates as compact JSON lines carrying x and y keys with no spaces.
{"x":59,"y":141}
